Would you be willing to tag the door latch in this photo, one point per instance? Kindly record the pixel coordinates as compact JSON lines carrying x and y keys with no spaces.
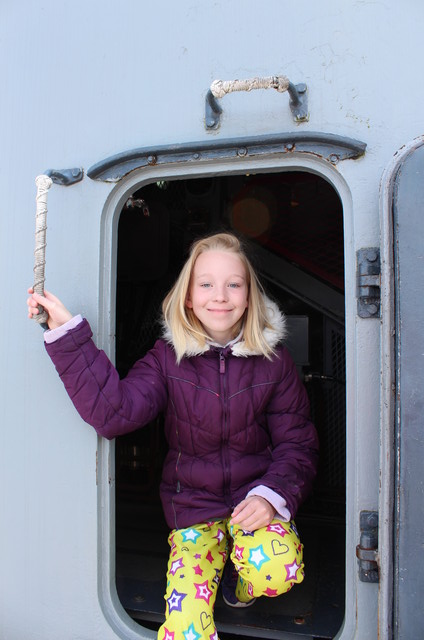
{"x":367,"y":549}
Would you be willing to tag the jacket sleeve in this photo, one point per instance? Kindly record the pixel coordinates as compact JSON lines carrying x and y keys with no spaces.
{"x":294,"y":439}
{"x":112,"y":406}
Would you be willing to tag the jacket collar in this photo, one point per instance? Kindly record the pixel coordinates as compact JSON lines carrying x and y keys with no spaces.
{"x":272,"y":335}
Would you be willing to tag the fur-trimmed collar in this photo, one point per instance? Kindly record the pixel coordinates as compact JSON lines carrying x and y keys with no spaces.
{"x":273,"y":335}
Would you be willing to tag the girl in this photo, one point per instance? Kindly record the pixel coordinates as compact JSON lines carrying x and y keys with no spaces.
{"x":242,"y":450}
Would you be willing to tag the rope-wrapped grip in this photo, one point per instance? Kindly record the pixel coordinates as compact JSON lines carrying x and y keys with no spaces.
{"x":43,"y":183}
{"x":220,"y":88}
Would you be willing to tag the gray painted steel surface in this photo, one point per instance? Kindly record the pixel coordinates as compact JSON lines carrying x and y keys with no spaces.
{"x":408,"y":210}
{"x":83,"y":81}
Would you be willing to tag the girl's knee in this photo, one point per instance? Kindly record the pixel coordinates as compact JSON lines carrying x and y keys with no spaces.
{"x":269,"y":561}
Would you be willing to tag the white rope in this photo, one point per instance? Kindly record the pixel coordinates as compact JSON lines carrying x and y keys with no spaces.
{"x":43,"y":183}
{"x":219,"y":88}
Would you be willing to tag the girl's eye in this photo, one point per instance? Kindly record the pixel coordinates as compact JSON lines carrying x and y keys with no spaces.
{"x":234,"y":285}
{"x":205,"y":285}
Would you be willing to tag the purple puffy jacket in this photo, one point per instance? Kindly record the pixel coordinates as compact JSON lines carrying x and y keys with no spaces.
{"x":233,"y":420}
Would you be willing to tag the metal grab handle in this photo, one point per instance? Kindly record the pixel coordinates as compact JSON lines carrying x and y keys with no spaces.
{"x":44,"y":182}
{"x":219,"y":88}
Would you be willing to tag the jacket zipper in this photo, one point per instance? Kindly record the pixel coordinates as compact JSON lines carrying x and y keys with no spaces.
{"x":225,"y":435}
{"x":221,"y":362}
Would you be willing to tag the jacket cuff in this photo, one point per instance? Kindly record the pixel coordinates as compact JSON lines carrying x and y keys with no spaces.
{"x":54,"y":334}
{"x":274,"y":499}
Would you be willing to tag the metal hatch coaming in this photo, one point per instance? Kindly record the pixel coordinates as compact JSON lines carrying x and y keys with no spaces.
{"x":313,"y":160}
{"x":331,"y":147}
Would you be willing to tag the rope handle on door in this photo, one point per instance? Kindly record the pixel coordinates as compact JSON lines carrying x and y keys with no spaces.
{"x":44,"y":182}
{"x":219,"y":88}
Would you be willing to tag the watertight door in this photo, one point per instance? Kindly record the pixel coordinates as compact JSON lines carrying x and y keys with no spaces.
{"x":405,"y":198}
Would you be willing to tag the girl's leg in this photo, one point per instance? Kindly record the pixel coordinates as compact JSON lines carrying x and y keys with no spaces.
{"x":195,"y":565}
{"x":269,"y":561}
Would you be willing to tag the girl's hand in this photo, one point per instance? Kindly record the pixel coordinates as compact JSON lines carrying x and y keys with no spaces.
{"x":253,"y":513}
{"x":58,"y":313}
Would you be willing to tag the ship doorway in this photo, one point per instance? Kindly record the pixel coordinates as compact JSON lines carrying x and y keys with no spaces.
{"x":293,"y":221}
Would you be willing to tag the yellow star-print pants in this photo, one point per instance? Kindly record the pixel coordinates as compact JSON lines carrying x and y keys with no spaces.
{"x":268,"y":562}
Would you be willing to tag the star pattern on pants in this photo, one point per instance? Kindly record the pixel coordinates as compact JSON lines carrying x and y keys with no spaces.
{"x":203,"y":545}
{"x":224,"y":555}
{"x":191,"y":633}
{"x":190,"y":535}
{"x":209,"y":557}
{"x":277,"y":528}
{"x":220,"y":535}
{"x":177,"y":564}
{"x":257,"y":557}
{"x":175,"y":600}
{"x":217,"y":577}
{"x":203,"y":592}
{"x":238,"y":552}
{"x":292,"y":570}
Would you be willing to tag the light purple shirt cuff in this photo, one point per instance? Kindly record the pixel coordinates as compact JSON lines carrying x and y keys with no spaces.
{"x":273,"y":498}
{"x":54,"y":334}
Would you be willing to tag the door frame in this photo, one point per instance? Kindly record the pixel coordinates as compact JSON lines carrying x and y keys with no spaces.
{"x":119,"y":620}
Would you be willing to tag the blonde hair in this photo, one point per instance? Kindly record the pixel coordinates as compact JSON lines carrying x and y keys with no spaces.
{"x":182,"y":322}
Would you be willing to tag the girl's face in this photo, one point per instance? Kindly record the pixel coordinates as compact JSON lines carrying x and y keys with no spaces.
{"x":218,"y":293}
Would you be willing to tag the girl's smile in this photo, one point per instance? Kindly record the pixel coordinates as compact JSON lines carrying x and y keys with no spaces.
{"x":218,"y":293}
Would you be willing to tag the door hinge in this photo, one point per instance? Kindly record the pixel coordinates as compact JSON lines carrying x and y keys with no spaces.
{"x":368,"y":282}
{"x":367,"y":549}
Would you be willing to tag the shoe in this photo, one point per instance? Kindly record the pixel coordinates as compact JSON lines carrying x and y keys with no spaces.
{"x":228,"y":587}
